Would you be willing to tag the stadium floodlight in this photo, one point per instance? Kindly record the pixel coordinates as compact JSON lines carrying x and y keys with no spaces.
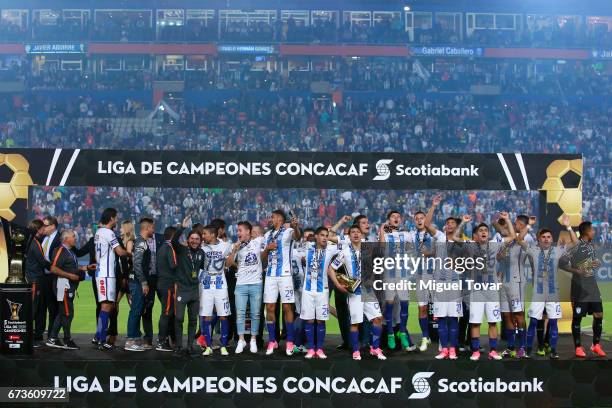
{"x":406,"y":8}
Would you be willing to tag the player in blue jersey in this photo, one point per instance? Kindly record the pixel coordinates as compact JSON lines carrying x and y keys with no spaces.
{"x":349,"y":257}
{"x":279,"y":281}
{"x":315,"y":291}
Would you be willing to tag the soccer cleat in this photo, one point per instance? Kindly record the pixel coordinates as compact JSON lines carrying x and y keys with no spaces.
{"x":253,"y":346}
{"x":55,"y":343}
{"x":163,"y":346}
{"x":207,"y":352}
{"x":494,"y":355}
{"x":94,"y":341}
{"x":105,"y":346}
{"x":580,"y":352}
{"x":71,"y":345}
{"x":452,"y":353}
{"x":475,"y":356}
{"x":271,"y":347}
{"x":520,"y":353}
{"x":547,"y":348}
{"x":541,"y":351}
{"x":321,"y":354}
{"x":289,"y":348}
{"x":505,"y":353}
{"x":425,"y":342}
{"x":406,"y":343}
{"x":553,"y":354}
{"x":202,"y":341}
{"x":356,"y":355}
{"x":147,"y":346}
{"x":378,"y":353}
{"x":38,"y":343}
{"x":311,"y":353}
{"x":443,"y":355}
{"x":224,"y":351}
{"x":131,"y":346}
{"x":240,"y":346}
{"x":391,"y":342}
{"x":596,"y":349}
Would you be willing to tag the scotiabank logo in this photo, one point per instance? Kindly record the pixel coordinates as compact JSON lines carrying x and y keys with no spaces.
{"x":383,"y":170}
{"x":102,"y":288}
{"x":421,"y":385}
{"x":423,"y":388}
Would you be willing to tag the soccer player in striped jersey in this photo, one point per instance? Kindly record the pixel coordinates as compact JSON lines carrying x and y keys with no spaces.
{"x":278,"y":281}
{"x":448,"y":304}
{"x":423,"y":240}
{"x":213,"y":287}
{"x":486,"y":301}
{"x":545,"y":260}
{"x":106,"y":247}
{"x":350,"y":257}
{"x":315,"y":291}
{"x":511,"y":268}
{"x":298,"y":261}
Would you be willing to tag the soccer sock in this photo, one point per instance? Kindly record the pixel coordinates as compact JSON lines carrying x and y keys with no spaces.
{"x":547,"y":333}
{"x":404,"y":317}
{"x":424,"y":323}
{"x":520,"y":337}
{"x":443,"y":332}
{"x":102,"y":326}
{"x":309,"y":328}
{"x":299,"y":327}
{"x":511,"y":337}
{"x":475,"y":343}
{"x":320,"y":335}
{"x":554,"y":333}
{"x":271,"y":331}
{"x":492,"y":343}
{"x":224,"y":332}
{"x":576,"y":330}
{"x":202,"y":323}
{"x":597,"y":323}
{"x":376,"y":332}
{"x":290,"y":331}
{"x":206,"y":332}
{"x":213,"y":324}
{"x":354,"y":338}
{"x":531,"y":332}
{"x":389,"y":317}
{"x":540,"y":332}
{"x":453,"y":331}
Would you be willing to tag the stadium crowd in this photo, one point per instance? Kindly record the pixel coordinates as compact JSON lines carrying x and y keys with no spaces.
{"x":365,"y":74}
{"x":136,"y":26}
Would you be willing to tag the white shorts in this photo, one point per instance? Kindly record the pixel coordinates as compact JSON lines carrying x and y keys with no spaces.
{"x":358,"y":308}
{"x":448,"y":309}
{"x":278,"y":285}
{"x":512,"y":297}
{"x":478,"y":309}
{"x":424,"y":296}
{"x":315,"y":305}
{"x":216,"y":299}
{"x":401,"y":294}
{"x":553,"y":310}
{"x":107,"y":289}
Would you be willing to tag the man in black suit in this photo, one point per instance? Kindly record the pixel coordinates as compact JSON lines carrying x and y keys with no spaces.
{"x":48,"y":291}
{"x":155,"y":242}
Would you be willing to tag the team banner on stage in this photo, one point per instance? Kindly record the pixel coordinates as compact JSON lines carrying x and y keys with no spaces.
{"x":132,"y":168}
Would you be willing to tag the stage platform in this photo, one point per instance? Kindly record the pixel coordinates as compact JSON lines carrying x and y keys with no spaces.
{"x":567,"y":382}
{"x":89,"y":352}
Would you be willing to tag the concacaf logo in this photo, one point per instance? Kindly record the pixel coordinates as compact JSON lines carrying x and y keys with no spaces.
{"x":14,"y":182}
{"x":563,"y":187}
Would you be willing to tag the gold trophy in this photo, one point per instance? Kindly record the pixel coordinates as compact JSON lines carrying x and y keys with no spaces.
{"x":351,"y":284}
{"x":15,"y":308}
{"x":15,"y":273}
